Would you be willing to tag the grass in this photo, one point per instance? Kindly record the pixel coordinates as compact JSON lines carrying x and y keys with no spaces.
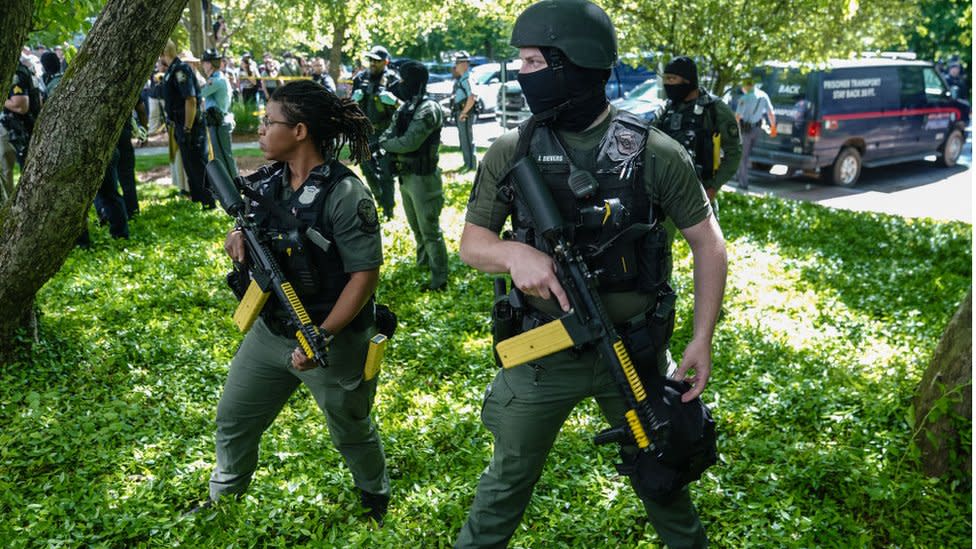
{"x":828,"y":324}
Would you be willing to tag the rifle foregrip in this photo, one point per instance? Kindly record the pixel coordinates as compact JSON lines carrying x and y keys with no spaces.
{"x":636,"y":429}
{"x":295,"y":303}
{"x":627,"y":365}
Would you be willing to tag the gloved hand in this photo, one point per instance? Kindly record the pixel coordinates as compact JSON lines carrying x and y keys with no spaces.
{"x":357,"y":95}
{"x":388,"y":98}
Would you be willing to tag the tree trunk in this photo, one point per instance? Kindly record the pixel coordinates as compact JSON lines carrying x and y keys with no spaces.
{"x":15,"y":23}
{"x":338,"y":40}
{"x":197,"y":33}
{"x":944,"y":400}
{"x":72,"y":142}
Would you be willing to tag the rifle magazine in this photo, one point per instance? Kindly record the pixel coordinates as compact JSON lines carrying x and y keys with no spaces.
{"x":250,"y":306}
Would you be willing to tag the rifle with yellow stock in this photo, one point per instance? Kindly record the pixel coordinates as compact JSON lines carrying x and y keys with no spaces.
{"x":266,"y":276}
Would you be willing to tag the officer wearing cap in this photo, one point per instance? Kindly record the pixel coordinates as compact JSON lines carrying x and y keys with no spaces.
{"x":371,"y":89}
{"x":462,"y":107}
{"x":414,"y":137}
{"x":181,"y":95}
{"x":567,"y":48}
{"x":704,"y":125}
{"x":216,"y":95}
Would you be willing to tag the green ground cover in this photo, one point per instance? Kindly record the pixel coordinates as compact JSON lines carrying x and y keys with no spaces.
{"x":829,"y":321}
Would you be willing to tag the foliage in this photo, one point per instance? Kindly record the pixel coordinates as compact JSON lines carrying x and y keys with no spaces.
{"x":58,"y":21}
{"x":830,"y":319}
{"x":730,"y":37}
{"x":944,"y":28}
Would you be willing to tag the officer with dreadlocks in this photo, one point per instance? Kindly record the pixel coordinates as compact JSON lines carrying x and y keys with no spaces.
{"x":413,"y":138}
{"x":702,"y":123}
{"x":593,"y":158}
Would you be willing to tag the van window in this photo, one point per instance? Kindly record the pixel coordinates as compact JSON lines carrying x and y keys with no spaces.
{"x":866,"y":89}
{"x":785,"y":86}
{"x":934,"y":86}
{"x":912,"y":87}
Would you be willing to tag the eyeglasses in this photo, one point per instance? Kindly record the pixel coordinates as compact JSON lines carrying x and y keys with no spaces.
{"x":267,"y":122}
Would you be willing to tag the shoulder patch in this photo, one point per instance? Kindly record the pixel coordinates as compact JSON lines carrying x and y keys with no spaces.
{"x":180,"y":76}
{"x":732,"y":130}
{"x":369,"y":221}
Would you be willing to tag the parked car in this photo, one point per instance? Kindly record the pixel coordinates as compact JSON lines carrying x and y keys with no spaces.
{"x":623,"y":78}
{"x":485,"y":81}
{"x":645,"y":100}
{"x":860,"y":113}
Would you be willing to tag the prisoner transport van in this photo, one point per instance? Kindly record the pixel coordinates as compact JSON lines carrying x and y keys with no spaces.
{"x":833,"y":121}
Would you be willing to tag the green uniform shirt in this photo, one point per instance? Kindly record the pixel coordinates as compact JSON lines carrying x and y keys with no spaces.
{"x":668,"y":175}
{"x":426,"y":119}
{"x":351,"y":222}
{"x":728,"y":130}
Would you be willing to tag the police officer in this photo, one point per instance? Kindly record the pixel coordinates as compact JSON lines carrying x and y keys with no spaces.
{"x":567,"y":49}
{"x":371,"y":89}
{"x":16,"y":126}
{"x":301,"y":132}
{"x":462,"y":107}
{"x":181,"y":95}
{"x":219,"y":120}
{"x":703,"y":124}
{"x":414,"y":137}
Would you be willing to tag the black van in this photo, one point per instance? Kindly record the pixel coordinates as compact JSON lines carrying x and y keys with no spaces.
{"x":866,"y":112}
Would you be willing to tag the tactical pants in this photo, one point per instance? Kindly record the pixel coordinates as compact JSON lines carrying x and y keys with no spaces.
{"x":749,"y":139}
{"x":379,"y":177}
{"x":193,"y":151}
{"x":8,"y":156}
{"x":109,"y":203}
{"x":466,"y":136}
{"x":423,"y":199}
{"x":524,"y":408}
{"x":260,"y":381}
{"x":220,"y":143}
{"x":127,"y":171}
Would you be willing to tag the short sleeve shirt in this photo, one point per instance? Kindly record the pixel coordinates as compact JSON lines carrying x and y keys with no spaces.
{"x":349,"y":214}
{"x":462,"y":88}
{"x":752,"y":107}
{"x":216,"y":93}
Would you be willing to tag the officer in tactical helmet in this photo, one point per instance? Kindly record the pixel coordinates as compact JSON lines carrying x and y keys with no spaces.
{"x":413,"y":138}
{"x":703,"y":124}
{"x":567,"y":49}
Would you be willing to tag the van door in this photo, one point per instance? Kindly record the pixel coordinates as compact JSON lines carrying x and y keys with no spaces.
{"x":940,"y":113}
{"x":862,"y":104}
{"x":913,"y":108}
{"x":787,"y":90}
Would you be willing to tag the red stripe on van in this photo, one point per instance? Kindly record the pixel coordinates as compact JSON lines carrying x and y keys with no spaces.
{"x":884,"y":114}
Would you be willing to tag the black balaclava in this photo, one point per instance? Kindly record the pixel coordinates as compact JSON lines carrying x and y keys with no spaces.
{"x":685,"y":68}
{"x":413,"y":81}
{"x":569,"y":95}
{"x":51,"y":63}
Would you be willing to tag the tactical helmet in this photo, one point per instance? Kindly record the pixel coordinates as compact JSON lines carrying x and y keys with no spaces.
{"x":580,"y":29}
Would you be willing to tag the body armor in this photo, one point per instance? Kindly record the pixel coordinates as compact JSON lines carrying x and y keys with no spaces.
{"x":604,"y":213}
{"x":422,"y":161}
{"x":689,"y":127}
{"x":316,"y":275}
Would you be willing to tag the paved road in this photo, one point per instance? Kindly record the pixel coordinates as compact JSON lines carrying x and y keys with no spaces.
{"x":914,"y":189}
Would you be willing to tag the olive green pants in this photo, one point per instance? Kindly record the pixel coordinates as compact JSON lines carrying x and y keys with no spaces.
{"x":423,"y":199}
{"x":260,"y":381}
{"x":524,"y":408}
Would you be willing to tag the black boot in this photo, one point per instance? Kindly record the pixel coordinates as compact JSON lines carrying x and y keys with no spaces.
{"x":377,"y":505}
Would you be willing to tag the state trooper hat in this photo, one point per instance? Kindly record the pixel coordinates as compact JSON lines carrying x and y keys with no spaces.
{"x":210,"y":55}
{"x":578,"y":28}
{"x":378,"y":53}
{"x":462,"y":57}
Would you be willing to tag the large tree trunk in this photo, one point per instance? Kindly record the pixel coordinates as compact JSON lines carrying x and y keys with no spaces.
{"x":338,"y":40}
{"x":72,"y":141}
{"x":944,"y":400}
{"x":15,"y":21}
{"x":197,"y":33}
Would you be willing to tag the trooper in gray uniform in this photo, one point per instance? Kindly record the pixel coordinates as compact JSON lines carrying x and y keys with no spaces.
{"x":567,"y":49}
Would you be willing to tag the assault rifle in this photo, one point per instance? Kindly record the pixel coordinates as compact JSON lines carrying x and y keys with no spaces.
{"x":266,"y":275}
{"x":587,"y":321}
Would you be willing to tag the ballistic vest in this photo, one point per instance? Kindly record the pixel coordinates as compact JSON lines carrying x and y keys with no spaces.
{"x":618,"y":202}
{"x":422,"y":161}
{"x":316,"y":275}
{"x":691,"y":128}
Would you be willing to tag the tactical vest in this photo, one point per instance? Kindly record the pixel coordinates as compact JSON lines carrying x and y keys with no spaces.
{"x":317,"y":276}
{"x":619,"y":201}
{"x":693,"y":130}
{"x":422,"y":161}
{"x":378,"y":113}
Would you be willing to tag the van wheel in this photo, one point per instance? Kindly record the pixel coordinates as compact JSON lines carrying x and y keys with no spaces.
{"x":847,"y":167}
{"x":951,"y":149}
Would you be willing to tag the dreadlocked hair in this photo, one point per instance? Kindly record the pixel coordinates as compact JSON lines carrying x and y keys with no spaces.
{"x":332,"y":121}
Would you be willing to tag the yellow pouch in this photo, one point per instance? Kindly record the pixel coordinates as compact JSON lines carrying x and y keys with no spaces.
{"x":374,"y":356}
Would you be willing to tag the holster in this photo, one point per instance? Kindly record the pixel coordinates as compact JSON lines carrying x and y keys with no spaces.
{"x":213,"y":117}
{"x":506,"y":315}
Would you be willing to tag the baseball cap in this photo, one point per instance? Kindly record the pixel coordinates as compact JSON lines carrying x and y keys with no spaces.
{"x":378,"y":53}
